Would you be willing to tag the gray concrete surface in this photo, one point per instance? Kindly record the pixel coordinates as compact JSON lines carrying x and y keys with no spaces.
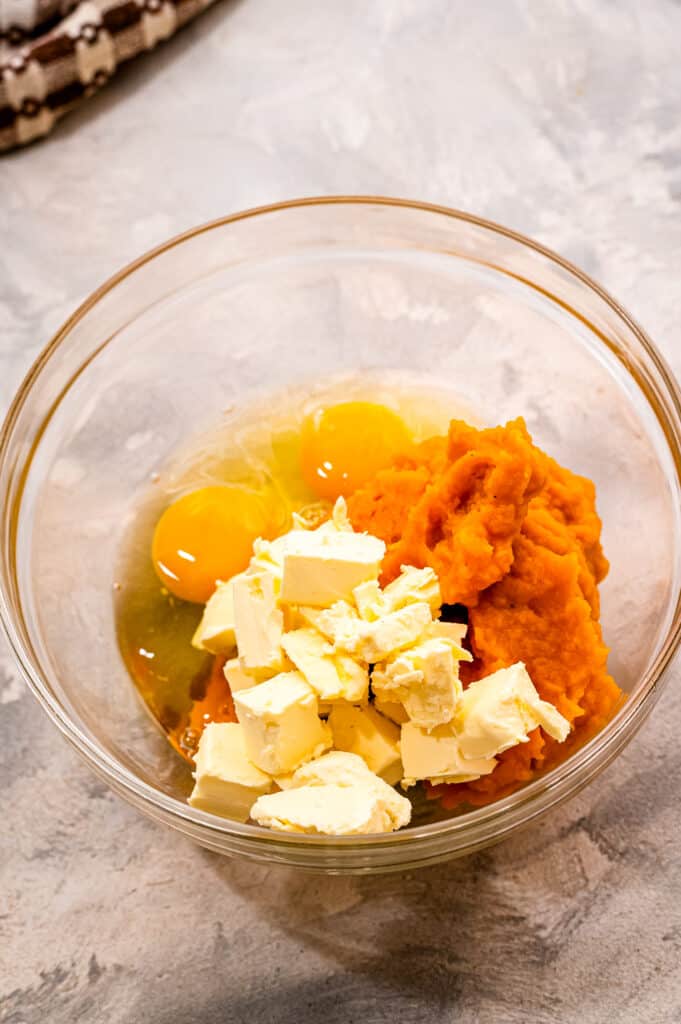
{"x":560,"y":119}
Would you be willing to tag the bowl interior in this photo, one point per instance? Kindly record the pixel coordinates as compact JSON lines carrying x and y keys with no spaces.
{"x":265,"y":303}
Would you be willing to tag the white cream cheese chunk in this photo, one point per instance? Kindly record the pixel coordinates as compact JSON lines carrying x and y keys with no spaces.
{"x":322,"y":567}
{"x":413,"y":586}
{"x":425,"y":679}
{"x":339,"y":624}
{"x":376,"y":641}
{"x":258,"y":621}
{"x":215,"y":632}
{"x":391,"y":709}
{"x":368,"y":598}
{"x":281,"y":725}
{"x":499,"y":711}
{"x":268,"y":555}
{"x":363,"y":731}
{"x":227,"y":782}
{"x":330,"y":810}
{"x":453,"y":631}
{"x":332,"y":676}
{"x":340,"y":768}
{"x":237,"y":678}
{"x":437,"y":757}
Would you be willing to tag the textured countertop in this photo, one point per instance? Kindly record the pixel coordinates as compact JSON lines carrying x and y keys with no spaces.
{"x":559,"y":119}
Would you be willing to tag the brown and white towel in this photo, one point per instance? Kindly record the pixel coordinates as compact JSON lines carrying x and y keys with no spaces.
{"x":55,"y":53}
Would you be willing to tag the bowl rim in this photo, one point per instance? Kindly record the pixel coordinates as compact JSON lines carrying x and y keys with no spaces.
{"x":556,"y":785}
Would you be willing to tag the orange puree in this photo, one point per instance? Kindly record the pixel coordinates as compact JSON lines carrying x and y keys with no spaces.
{"x":516,"y":538}
{"x":455,"y":504}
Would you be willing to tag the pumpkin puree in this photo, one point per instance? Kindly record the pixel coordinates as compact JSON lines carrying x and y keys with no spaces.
{"x":516,"y":538}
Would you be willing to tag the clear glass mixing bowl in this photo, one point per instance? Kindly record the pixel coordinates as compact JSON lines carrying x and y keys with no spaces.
{"x":269,"y":298}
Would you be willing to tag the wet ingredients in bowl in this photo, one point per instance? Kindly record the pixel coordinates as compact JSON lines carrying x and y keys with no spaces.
{"x":354,"y":597}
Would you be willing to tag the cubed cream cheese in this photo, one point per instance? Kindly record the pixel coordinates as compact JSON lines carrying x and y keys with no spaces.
{"x":436,"y":756}
{"x":268,"y":555}
{"x":227,"y":782}
{"x":425,"y":678}
{"x":338,"y":767}
{"x":391,"y":709}
{"x":237,"y":677}
{"x":339,"y":624}
{"x":332,"y":676}
{"x":500,"y":711}
{"x":341,"y":768}
{"x":332,"y":810}
{"x":412,"y":586}
{"x":363,"y":731}
{"x":258,"y":621}
{"x":354,"y":677}
{"x":376,"y":641}
{"x":369,"y":601}
{"x":322,"y":568}
{"x":215,"y":632}
{"x":454,"y":631}
{"x":312,"y":655}
{"x":281,"y":724}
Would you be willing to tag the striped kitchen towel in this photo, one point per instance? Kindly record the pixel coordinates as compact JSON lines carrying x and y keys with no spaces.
{"x":55,"y":53}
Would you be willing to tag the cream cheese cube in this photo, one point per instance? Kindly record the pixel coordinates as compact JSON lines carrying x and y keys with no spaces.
{"x":215,"y":632}
{"x":258,"y":621}
{"x":437,"y":757}
{"x":413,"y":586}
{"x":227,"y":782}
{"x":339,"y":624}
{"x":372,"y":640}
{"x":332,"y":810}
{"x":322,"y":568}
{"x":312,"y":656}
{"x":369,"y":601}
{"x":362,"y":731}
{"x":281,"y":725}
{"x":332,"y":676}
{"x":391,"y":709}
{"x":268,"y":555}
{"x":425,"y":678}
{"x":338,"y":767}
{"x":500,"y":711}
{"x":376,"y":641}
{"x":341,"y":768}
{"x":237,"y":678}
{"x":354,"y":677}
{"x":454,"y":631}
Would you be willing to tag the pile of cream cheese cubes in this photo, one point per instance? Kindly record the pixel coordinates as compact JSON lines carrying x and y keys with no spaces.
{"x":342,"y":689}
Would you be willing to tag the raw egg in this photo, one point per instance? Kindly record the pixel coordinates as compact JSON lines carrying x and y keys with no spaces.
{"x":344,"y":445}
{"x":206,"y":536}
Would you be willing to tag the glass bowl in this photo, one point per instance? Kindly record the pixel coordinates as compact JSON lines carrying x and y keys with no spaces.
{"x":251,"y":304}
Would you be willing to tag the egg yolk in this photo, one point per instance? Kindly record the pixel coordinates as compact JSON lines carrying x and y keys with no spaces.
{"x":206,"y":536}
{"x":343,"y":446}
